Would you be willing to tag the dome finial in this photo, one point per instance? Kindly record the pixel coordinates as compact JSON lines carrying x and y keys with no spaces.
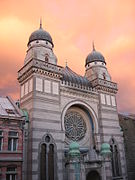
{"x":93,"y":45}
{"x":40,"y":23}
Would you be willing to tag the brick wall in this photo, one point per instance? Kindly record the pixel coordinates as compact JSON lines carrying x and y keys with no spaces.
{"x":11,"y":158}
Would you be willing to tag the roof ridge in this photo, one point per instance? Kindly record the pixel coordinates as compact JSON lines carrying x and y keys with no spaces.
{"x":71,"y":76}
{"x":75,"y":72}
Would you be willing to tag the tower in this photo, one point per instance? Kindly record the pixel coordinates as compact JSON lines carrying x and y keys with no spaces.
{"x":40,"y":46}
{"x":97,"y":74}
{"x":39,"y":80}
{"x":96,"y":66}
{"x":64,"y":107}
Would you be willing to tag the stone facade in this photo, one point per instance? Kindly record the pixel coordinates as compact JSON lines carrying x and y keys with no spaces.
{"x":65,"y":107}
{"x":11,"y":140}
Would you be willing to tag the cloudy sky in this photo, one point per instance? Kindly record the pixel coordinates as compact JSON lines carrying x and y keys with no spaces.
{"x":73,"y":25}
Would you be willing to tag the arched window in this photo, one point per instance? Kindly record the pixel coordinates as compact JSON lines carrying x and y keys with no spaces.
{"x":115,"y":159}
{"x":104,"y":76}
{"x":11,"y":173}
{"x":43,"y":162}
{"x":46,"y":58}
{"x":51,"y":162}
{"x":47,"y":159}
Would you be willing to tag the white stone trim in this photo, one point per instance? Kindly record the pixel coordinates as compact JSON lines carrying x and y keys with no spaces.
{"x":113,"y":100}
{"x":30,"y":85}
{"x":39,"y":84}
{"x":26,"y":88}
{"x":55,"y":88}
{"x":22,"y":90}
{"x":47,"y":86}
{"x":102,"y":96}
{"x":108,"y":99}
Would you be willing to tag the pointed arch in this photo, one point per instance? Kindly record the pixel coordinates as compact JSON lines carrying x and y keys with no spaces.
{"x":93,"y":175}
{"x":115,"y":158}
{"x":47,"y":158}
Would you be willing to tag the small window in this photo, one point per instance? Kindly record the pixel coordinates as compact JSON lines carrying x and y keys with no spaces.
{"x":1,"y":139}
{"x":46,"y":59}
{"x":37,"y":41}
{"x":0,"y":171}
{"x":12,"y":141}
{"x":11,"y":173}
{"x":13,"y":133}
{"x":95,"y":62}
{"x":13,"y":169}
{"x":104,"y":76}
{"x":47,"y":139}
{"x":46,"y":42}
{"x":1,"y":133}
{"x":10,"y":111}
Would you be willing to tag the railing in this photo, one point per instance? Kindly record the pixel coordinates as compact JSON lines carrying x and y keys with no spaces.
{"x":82,"y":158}
{"x":77,"y":86}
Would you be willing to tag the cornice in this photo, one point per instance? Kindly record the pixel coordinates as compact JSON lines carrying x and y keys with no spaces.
{"x":39,"y":67}
{"x":104,"y":85}
{"x":78,"y":93}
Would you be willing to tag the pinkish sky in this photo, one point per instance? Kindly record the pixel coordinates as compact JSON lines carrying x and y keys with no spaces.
{"x":73,"y":25}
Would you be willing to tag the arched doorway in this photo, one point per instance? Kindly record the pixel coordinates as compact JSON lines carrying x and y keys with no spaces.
{"x":93,"y":175}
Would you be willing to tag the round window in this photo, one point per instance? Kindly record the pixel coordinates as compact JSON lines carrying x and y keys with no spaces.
{"x":75,"y":126}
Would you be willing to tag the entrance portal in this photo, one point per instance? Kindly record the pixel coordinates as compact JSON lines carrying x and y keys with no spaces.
{"x":93,"y":175}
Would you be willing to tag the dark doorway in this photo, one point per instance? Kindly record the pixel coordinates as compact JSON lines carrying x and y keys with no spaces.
{"x":93,"y":175}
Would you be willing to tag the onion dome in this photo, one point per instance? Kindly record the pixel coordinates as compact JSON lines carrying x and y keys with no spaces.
{"x":40,"y":34}
{"x":95,"y":56}
{"x":71,"y":76}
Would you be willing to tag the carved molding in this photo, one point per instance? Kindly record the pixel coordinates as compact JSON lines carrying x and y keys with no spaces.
{"x":39,"y":67}
{"x":80,"y":94}
{"x":101,"y":84}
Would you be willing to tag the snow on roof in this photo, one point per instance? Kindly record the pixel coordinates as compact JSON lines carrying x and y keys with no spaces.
{"x":8,"y":107}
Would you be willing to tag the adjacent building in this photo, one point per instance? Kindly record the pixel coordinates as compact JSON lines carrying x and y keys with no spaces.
{"x":11,"y":140}
{"x":127,"y":123}
{"x":67,"y":111}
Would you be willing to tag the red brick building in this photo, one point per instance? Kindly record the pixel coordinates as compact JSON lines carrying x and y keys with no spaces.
{"x":11,"y":140}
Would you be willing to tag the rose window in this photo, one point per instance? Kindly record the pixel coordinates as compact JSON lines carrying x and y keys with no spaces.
{"x":75,"y":126}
